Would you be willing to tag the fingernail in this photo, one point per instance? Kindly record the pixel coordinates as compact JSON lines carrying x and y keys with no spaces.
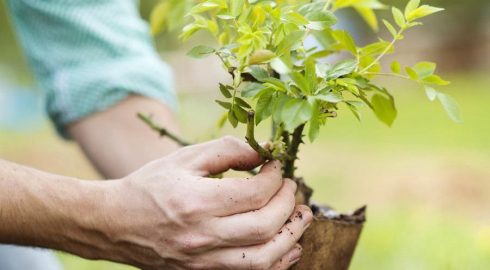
{"x":307,"y":217}
{"x":295,"y":254}
{"x":307,"y":225}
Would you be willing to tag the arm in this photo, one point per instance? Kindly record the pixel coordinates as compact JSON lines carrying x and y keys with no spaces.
{"x":143,"y":220}
{"x":98,"y":66}
{"x":118,"y":143}
{"x":46,"y":210}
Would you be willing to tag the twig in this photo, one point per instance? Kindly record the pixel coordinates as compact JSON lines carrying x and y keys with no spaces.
{"x":161,"y":130}
{"x":164,"y":132}
{"x":265,"y":154}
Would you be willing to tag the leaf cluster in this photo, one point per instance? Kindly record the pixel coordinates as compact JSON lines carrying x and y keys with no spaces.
{"x":275,"y":73}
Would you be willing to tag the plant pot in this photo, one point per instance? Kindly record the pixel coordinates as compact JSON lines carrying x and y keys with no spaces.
{"x":330,"y":241}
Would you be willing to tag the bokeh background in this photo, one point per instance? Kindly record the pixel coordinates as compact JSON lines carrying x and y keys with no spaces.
{"x":426,"y":180}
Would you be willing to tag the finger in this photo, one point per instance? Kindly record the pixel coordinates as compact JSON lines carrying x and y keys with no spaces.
{"x":266,"y":255}
{"x":288,"y":260}
{"x":229,"y":196}
{"x":257,"y":227}
{"x":218,"y":156}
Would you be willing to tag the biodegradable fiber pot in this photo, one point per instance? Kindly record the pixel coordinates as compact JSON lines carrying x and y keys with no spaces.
{"x":329,"y":243}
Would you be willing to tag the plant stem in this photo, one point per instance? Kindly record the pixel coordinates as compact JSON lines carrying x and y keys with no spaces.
{"x":296,"y":140}
{"x":161,"y":130}
{"x":386,"y":50}
{"x":265,"y":154}
{"x":387,"y":74}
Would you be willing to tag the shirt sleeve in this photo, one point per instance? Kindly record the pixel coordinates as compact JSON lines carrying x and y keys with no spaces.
{"x":89,"y":54}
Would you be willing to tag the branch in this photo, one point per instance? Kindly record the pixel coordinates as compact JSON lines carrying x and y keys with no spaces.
{"x":265,"y":154}
{"x":293,"y":149}
{"x":161,"y":130}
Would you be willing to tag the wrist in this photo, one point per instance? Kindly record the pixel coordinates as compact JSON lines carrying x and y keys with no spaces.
{"x":91,"y":214}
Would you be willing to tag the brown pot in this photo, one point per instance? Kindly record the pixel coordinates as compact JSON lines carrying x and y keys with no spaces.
{"x":329,"y":243}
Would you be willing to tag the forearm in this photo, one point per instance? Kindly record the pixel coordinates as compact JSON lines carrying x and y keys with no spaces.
{"x":46,"y":210}
{"x":118,"y":143}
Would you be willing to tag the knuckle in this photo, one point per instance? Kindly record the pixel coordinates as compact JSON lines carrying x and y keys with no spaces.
{"x":257,"y":200}
{"x":184,"y":210}
{"x":263,"y":232}
{"x":231,"y":141}
{"x":192,"y":243}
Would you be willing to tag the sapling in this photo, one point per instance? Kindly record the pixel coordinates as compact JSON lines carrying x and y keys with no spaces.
{"x":278,"y":54}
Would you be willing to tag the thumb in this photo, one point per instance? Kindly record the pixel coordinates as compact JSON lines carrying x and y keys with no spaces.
{"x":219,"y":156}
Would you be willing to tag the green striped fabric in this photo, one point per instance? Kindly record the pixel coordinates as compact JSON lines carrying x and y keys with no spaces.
{"x":89,"y":54}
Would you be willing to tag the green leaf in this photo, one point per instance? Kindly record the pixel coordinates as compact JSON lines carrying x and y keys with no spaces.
{"x":353,"y":108}
{"x":259,"y":73}
{"x":377,"y":48}
{"x":411,"y":6}
{"x":369,"y":16}
{"x":236,"y":7}
{"x":278,"y":106}
{"x":276,"y":84}
{"x":346,"y":40}
{"x":200,"y":51}
{"x":320,"y":20}
{"x":295,"y":18}
{"x":225,"y":91}
{"x":435,"y":79}
{"x":326,"y":38}
{"x":398,"y":17}
{"x":384,"y":108}
{"x":300,"y":81}
{"x":412,"y":74}
{"x":310,"y":76}
{"x":295,"y":113}
{"x":422,"y":11}
{"x":263,"y":109}
{"x":390,"y":28}
{"x":252,"y":89}
{"x":331,"y":97}
{"x":232,"y":119}
{"x":451,"y":107}
{"x":314,"y":124}
{"x":431,"y":93}
{"x":202,"y":7}
{"x":291,"y":40}
{"x":261,"y":56}
{"x":242,"y":103}
{"x":240,"y":114}
{"x":424,"y":69}
{"x":341,"y":69}
{"x":395,"y":67}
{"x":226,"y":105}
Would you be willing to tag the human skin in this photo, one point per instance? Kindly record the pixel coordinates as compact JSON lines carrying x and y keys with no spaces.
{"x":166,"y":215}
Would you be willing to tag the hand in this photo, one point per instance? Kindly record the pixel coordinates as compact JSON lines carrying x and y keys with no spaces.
{"x":170,"y":215}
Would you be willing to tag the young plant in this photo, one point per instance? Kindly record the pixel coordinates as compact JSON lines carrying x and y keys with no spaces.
{"x":278,"y":76}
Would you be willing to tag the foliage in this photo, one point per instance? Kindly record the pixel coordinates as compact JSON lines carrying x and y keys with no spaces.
{"x":278,"y":76}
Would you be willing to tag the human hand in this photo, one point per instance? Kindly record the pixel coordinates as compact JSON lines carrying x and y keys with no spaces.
{"x":170,"y":215}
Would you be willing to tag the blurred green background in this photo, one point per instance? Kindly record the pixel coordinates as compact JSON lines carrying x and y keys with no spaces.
{"x":426,"y":180}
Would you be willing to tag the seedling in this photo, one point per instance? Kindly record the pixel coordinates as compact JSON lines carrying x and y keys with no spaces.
{"x":278,"y":55}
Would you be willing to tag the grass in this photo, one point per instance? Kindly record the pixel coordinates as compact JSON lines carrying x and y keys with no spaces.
{"x":425,"y":180}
